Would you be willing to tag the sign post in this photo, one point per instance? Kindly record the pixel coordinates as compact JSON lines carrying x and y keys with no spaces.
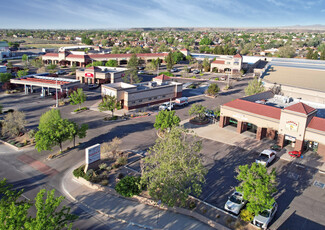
{"x":92,"y":156}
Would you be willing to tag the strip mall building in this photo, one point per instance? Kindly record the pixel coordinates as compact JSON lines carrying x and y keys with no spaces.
{"x":276,"y":117}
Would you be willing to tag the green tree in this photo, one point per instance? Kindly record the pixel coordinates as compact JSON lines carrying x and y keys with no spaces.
{"x":14,"y":210}
{"x":4,"y":77}
{"x":109,"y":103}
{"x":322,"y":55}
{"x":22,"y":73}
{"x":131,"y":75}
{"x":9,"y":65}
{"x":257,"y":187}
{"x":254,"y":86}
{"x":198,"y":110}
{"x":77,"y":97}
{"x":76,"y":130}
{"x":24,"y":58}
{"x":206,"y":64}
{"x":286,"y":52}
{"x":14,"y":123}
{"x":178,"y":56}
{"x":213,"y":89}
{"x":315,"y":55}
{"x":95,"y":63}
{"x":87,"y":41}
{"x":205,"y":41}
{"x":173,"y":168}
{"x":52,"y":131}
{"x":166,"y":120}
{"x":111,"y":63}
{"x":169,"y":61}
{"x":37,"y":63}
{"x":309,"y":54}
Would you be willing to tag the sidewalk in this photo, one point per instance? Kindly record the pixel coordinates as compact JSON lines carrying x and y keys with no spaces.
{"x":247,"y":141}
{"x":139,"y":215}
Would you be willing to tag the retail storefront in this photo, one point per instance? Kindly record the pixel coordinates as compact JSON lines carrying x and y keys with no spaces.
{"x":295,"y":125}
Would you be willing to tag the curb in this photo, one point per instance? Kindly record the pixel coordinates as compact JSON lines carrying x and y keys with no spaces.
{"x":147,"y":201}
{"x":10,"y":145}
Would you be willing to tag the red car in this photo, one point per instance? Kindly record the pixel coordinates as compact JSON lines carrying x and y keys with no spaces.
{"x":295,"y":154}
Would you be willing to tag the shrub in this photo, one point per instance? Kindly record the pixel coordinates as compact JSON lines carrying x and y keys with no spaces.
{"x":19,"y":145}
{"x":104,"y":182}
{"x":31,"y":133}
{"x":79,"y":172}
{"x":192,"y":87}
{"x":167,"y":73}
{"x":102,"y":166}
{"x":246,"y":215}
{"x":128,"y":186}
{"x":217,"y":79}
{"x":121,"y":161}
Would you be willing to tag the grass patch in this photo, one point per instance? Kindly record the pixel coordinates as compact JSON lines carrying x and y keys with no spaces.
{"x":81,"y":109}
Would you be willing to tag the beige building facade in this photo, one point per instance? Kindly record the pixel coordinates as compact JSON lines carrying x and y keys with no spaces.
{"x":132,"y":96}
{"x":227,"y":64}
{"x":290,"y":123}
{"x":100,"y":75}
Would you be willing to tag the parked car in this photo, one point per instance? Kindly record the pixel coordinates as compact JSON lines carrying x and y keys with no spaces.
{"x":275,"y":148}
{"x":93,"y":86}
{"x":266,"y":157}
{"x":235,"y":203}
{"x":182,"y":101}
{"x":296,"y":154}
{"x":210,"y":113}
{"x":59,"y":72}
{"x":196,"y":71}
{"x":167,"y":105}
{"x":173,"y":70}
{"x":141,"y":72}
{"x":264,"y":218}
{"x":223,"y":78}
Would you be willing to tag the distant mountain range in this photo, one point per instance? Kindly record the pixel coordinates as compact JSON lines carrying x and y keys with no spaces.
{"x":296,"y":28}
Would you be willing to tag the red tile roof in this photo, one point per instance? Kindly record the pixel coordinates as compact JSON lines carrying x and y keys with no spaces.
{"x":317,"y":123}
{"x":218,"y":62}
{"x":183,"y":49}
{"x":51,"y":55}
{"x":94,"y":56}
{"x":53,"y":82}
{"x":300,"y":108}
{"x":76,"y":56}
{"x":162,"y":77}
{"x":238,"y":55}
{"x":252,"y":107}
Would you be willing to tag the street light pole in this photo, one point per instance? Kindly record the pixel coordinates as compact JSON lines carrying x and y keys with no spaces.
{"x":56,"y":93}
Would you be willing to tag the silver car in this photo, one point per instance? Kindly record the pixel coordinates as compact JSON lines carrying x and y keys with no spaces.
{"x":264,"y":218}
{"x":235,"y":203}
{"x":266,"y":157}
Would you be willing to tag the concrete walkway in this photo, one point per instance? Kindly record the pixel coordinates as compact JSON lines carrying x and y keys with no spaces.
{"x":247,"y":141}
{"x":136,"y":215}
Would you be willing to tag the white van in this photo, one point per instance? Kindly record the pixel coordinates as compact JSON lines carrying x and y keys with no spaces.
{"x":182,"y":101}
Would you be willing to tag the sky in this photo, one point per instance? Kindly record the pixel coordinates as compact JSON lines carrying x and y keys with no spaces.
{"x":119,"y":14}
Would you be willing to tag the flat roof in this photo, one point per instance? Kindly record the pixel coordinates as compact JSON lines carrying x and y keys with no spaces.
{"x":298,"y":77}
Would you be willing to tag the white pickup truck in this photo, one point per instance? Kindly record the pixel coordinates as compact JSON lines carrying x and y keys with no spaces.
{"x":167,"y":105}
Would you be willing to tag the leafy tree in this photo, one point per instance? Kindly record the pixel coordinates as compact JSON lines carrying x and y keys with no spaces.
{"x":14,"y":211}
{"x":78,"y":97}
{"x":4,"y":77}
{"x":111,"y":63}
{"x":166,"y":120}
{"x":198,"y":110}
{"x":169,"y":61}
{"x":37,"y":63}
{"x":322,"y":55}
{"x":257,"y":187}
{"x":213,"y":89}
{"x":14,"y":123}
{"x":178,"y":56}
{"x":309,"y":54}
{"x":205,"y":41}
{"x":254,"y":86}
{"x":52,"y":131}
{"x":206,"y":64}
{"x":286,"y":52}
{"x":315,"y":55}
{"x":24,"y":58}
{"x":173,"y":169}
{"x":76,"y":130}
{"x":87,"y":41}
{"x":9,"y":65}
{"x":22,"y":73}
{"x":109,"y":103}
{"x":132,"y":72}
{"x":95,"y":63}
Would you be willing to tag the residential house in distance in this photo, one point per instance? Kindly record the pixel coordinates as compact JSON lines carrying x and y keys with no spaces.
{"x":4,"y":50}
{"x":132,"y":96}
